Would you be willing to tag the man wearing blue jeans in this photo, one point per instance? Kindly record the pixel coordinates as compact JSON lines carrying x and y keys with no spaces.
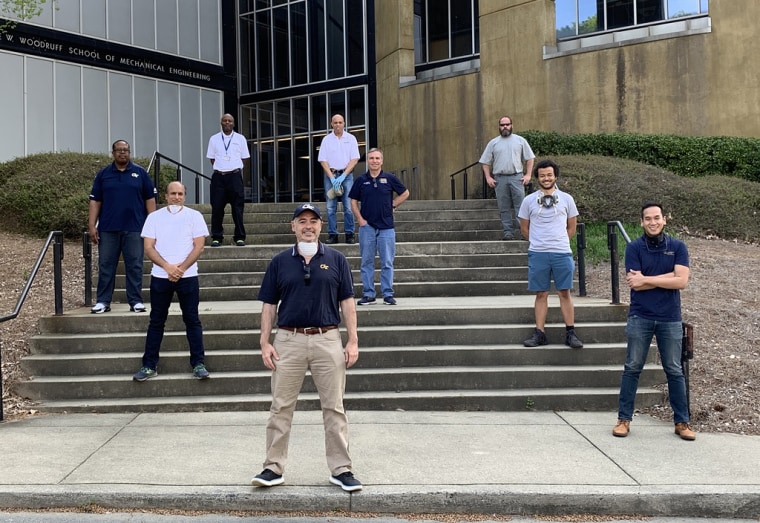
{"x":338,"y":155}
{"x":174,"y":239}
{"x":657,"y":268}
{"x":380,"y":193}
{"x":121,"y":198}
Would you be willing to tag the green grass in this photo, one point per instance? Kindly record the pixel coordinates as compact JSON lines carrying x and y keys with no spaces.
{"x":597,"y":248}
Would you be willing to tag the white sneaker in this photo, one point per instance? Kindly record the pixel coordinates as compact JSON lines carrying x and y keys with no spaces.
{"x":100,"y":308}
{"x":137,"y":307}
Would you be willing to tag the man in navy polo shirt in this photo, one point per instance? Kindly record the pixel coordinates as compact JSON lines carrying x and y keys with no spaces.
{"x":311,"y":282}
{"x":121,"y":198}
{"x":380,"y":194}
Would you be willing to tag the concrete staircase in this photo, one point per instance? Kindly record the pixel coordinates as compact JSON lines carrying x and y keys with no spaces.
{"x":454,"y":342}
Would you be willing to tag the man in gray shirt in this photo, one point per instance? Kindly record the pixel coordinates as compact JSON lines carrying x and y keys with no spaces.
{"x":502,"y":163}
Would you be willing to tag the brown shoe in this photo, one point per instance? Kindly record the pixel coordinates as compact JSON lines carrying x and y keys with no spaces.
{"x":622,"y":428}
{"x":683,"y":430}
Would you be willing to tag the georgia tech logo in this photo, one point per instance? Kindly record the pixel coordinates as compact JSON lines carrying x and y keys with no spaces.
{"x":324,"y":266}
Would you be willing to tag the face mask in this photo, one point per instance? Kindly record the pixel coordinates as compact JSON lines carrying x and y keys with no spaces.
{"x":307,"y":248}
{"x":174,"y":209}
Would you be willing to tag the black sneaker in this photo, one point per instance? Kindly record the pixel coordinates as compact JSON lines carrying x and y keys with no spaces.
{"x":350,"y":239}
{"x":346,"y":481}
{"x":572,"y":340}
{"x":538,"y":338}
{"x":366,"y":300}
{"x":333,"y":238}
{"x":267,"y":478}
{"x":389,"y":300}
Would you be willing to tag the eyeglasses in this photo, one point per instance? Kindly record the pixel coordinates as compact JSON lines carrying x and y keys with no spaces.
{"x":306,"y":274}
{"x":121,"y":150}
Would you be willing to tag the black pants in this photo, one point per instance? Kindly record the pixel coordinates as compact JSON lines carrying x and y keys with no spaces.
{"x":227,"y":188}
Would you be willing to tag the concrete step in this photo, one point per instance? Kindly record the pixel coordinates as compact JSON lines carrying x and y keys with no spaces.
{"x":538,"y":399}
{"x":387,"y":357}
{"x":358,"y":380}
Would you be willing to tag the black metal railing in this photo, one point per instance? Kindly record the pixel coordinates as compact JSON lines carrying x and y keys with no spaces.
{"x":155,"y":165}
{"x":465,"y":171}
{"x":580,"y":244}
{"x":612,"y":245}
{"x":56,"y":238}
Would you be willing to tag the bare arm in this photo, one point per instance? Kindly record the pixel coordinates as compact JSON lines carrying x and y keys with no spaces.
{"x":490,"y":180}
{"x":348,"y":306}
{"x":401,"y":198}
{"x":350,"y":167}
{"x":268,"y":353}
{"x":150,"y":205}
{"x":326,"y":168}
{"x":92,"y":221}
{"x":678,"y":279}
{"x":528,"y":172}
{"x":525,"y":228}
{"x":357,"y":214}
{"x":572,"y":224}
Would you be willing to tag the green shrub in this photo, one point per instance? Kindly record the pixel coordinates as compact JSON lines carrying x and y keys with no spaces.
{"x":50,"y":191}
{"x":683,"y":155}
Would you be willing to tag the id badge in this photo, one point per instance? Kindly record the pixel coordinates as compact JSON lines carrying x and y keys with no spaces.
{"x":226,"y":158}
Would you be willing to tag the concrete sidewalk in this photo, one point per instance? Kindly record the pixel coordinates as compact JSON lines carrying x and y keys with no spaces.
{"x":463,"y":462}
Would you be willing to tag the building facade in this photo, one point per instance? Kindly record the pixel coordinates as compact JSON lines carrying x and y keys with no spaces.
{"x":425,"y":80}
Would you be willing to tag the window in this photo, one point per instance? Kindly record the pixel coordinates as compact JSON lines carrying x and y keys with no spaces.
{"x":581,"y":17}
{"x":288,"y":43}
{"x":445,"y":30}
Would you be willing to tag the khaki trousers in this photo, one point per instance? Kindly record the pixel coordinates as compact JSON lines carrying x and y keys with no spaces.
{"x":322,"y":354}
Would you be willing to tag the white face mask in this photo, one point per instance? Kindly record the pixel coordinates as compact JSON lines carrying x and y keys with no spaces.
{"x":307,"y":248}
{"x":174,"y":209}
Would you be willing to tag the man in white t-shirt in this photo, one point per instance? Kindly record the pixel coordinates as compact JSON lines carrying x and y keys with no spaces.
{"x":174,"y":238}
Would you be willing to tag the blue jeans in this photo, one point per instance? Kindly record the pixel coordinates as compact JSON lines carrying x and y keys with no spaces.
{"x":161,"y":293}
{"x":129,"y":245}
{"x":510,"y":193}
{"x":382,"y":242}
{"x":669,"y":336}
{"x":332,"y":207}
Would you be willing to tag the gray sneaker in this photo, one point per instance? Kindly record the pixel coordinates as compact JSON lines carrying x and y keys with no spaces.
{"x":145,"y":374}
{"x":572,"y":340}
{"x":538,"y":338}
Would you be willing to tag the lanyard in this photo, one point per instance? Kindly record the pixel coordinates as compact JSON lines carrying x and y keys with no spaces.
{"x":227,"y":145}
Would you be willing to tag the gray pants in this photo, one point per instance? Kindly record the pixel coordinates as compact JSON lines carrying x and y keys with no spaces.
{"x":510,"y":193}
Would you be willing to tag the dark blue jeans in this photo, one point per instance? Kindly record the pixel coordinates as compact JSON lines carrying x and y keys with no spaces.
{"x":669,"y":336}
{"x":161,"y":293}
{"x":129,"y":245}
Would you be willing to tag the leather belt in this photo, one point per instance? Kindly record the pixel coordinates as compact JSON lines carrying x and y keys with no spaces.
{"x":308,"y":330}
{"x":506,"y":174}
{"x":336,"y":171}
{"x":227,"y":172}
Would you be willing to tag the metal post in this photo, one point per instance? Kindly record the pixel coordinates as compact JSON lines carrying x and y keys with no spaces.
{"x":687,"y":353}
{"x":58,"y":272}
{"x":580,"y":242}
{"x":464,"y":184}
{"x":197,"y":189}
{"x":87,"y":255}
{"x":612,"y":244}
{"x":453,"y":188}
{"x":157,"y":172}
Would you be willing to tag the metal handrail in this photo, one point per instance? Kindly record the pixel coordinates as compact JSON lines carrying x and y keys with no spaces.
{"x":55,"y":237}
{"x":155,"y":160}
{"x":464,"y":182}
{"x":612,"y":226}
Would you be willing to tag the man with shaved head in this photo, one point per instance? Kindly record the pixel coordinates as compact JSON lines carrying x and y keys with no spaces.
{"x":228,"y":152}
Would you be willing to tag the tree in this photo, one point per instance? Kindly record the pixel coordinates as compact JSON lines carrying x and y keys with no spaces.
{"x":14,"y":11}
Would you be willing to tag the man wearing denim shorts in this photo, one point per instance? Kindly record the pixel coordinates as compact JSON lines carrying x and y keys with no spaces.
{"x":548,"y":219}
{"x":657,"y":268}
